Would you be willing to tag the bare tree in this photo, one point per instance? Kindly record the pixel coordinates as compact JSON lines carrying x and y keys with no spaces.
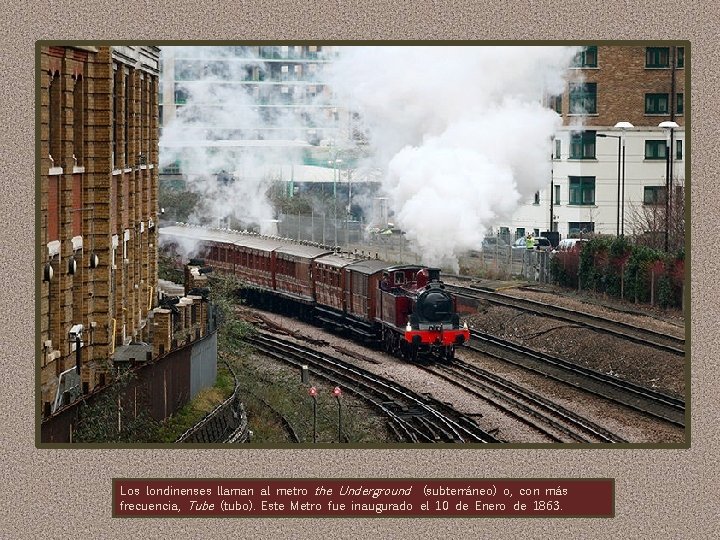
{"x":647,"y":223}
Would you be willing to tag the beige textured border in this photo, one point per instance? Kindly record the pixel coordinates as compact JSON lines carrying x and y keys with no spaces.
{"x":659,"y":493}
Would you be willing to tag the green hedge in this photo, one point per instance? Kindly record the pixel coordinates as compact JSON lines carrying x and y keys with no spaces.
{"x":618,"y":268}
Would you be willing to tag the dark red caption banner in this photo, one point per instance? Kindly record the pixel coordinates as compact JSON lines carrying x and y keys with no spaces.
{"x":412,"y":497}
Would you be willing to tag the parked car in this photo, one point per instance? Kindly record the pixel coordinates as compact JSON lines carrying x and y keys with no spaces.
{"x":569,"y":245}
{"x":490,"y":243}
{"x":540,"y":243}
{"x":519,"y":243}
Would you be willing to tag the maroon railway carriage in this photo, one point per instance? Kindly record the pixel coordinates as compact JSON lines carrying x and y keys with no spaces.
{"x":350,"y":292}
{"x":294,"y":272}
{"x":331,"y":280}
{"x":403,"y":307}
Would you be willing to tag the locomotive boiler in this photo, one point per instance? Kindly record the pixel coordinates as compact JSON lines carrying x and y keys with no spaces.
{"x":418,"y":315}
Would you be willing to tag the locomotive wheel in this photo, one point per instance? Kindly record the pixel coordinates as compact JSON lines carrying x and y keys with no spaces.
{"x":387,"y":341}
{"x":396,"y":349}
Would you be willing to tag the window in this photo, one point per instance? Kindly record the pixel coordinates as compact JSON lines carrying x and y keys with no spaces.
{"x":115,"y":115}
{"x":188,"y":70}
{"x":54,"y":118}
{"x":582,"y":190}
{"x":586,"y":58}
{"x":678,"y":149}
{"x":557,"y":194}
{"x":680,"y":104}
{"x":582,"y":145}
{"x":77,"y":204}
{"x":78,"y":121}
{"x":536,"y":232}
{"x":580,"y":227}
{"x":537,"y":198}
{"x":558,"y":148}
{"x":654,"y":195}
{"x":172,"y":168}
{"x":583,"y":98}
{"x":53,"y":219}
{"x":657,"y":57}
{"x":519,"y":232}
{"x":126,"y":124}
{"x":656,"y":104}
{"x":181,"y":95}
{"x":655,"y":149}
{"x":555,"y":103}
{"x":680,"y":58}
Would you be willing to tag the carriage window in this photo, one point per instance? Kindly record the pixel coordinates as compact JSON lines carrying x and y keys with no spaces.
{"x":399,"y":278}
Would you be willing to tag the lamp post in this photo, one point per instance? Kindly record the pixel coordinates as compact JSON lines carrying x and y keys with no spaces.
{"x":552,"y":181}
{"x":619,"y":139}
{"x":622,"y":126}
{"x":669,"y":127}
{"x":337,"y":392}
{"x":334,"y":163}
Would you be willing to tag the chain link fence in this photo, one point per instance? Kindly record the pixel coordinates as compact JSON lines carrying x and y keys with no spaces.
{"x":496,"y":258}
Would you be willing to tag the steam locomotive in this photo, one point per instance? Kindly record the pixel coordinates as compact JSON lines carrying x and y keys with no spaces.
{"x":403,"y":308}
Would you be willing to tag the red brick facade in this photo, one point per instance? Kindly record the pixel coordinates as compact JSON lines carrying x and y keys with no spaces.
{"x":96,"y":205}
{"x":623,"y":79}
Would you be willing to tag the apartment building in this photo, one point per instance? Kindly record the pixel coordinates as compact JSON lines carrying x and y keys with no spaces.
{"x":262,"y":100}
{"x":606,"y":173}
{"x":98,"y":209}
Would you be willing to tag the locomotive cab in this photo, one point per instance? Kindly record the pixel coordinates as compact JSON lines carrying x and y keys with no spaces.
{"x":434,"y":324}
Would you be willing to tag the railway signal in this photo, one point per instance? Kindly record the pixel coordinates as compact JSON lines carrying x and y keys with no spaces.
{"x":337,"y":393}
{"x":304,"y":374}
{"x":313,"y":394}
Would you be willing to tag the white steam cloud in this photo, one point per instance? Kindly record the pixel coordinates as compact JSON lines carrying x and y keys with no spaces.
{"x":463,"y":133}
{"x":218,"y":130}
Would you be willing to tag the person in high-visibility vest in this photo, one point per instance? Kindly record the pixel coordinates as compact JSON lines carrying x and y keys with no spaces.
{"x":529,"y":241}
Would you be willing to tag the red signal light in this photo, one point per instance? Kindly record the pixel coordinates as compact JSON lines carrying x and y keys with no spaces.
{"x":312,"y":391}
{"x":337,"y":392}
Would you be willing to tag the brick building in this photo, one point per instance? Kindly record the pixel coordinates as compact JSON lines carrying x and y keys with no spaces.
{"x":609,"y":84}
{"x":98,"y":207}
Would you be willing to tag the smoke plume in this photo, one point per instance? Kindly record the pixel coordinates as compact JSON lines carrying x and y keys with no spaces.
{"x":463,"y":133}
{"x":217,"y":137}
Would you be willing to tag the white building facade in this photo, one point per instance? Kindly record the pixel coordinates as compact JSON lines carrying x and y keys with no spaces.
{"x":587,"y":192}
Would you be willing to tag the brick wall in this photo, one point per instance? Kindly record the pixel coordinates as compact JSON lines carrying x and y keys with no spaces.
{"x":104,"y":205}
{"x":622,"y":82}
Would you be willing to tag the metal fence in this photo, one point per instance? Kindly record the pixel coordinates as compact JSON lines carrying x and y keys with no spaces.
{"x":497,"y":256}
{"x":322,"y":228}
{"x":507,"y":261}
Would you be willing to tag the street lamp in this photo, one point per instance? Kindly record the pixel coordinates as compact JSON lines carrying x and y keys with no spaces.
{"x":619,"y":139}
{"x":669,"y":127}
{"x":622,"y":126}
{"x":552,"y":180}
{"x":336,"y":176}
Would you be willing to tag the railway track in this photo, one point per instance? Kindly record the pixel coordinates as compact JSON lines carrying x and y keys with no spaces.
{"x":413,"y":417}
{"x":557,"y":423}
{"x":637,"y":334}
{"x":227,"y":423}
{"x":651,"y":402}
